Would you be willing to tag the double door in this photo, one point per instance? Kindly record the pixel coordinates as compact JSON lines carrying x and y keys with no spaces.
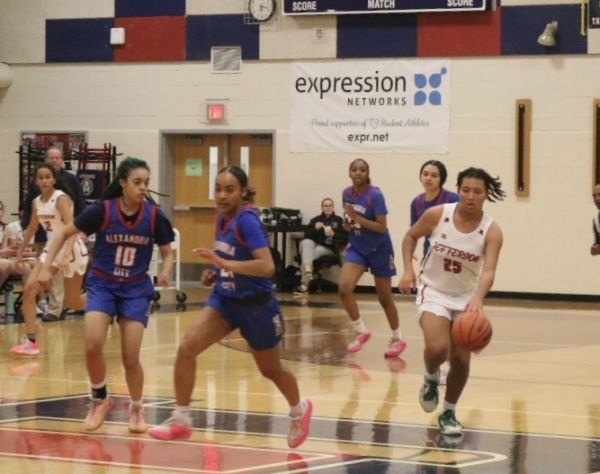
{"x":197,"y":159}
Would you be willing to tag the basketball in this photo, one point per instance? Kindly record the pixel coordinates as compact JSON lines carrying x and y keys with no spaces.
{"x":472,"y":331}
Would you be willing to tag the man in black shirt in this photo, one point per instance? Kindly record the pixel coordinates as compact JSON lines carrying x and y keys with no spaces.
{"x":54,"y":156}
{"x":324,"y":236}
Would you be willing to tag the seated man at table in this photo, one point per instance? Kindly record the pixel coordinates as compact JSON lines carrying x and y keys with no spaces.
{"x":324,"y":235}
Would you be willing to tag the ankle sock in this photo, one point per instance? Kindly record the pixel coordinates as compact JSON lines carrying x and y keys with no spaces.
{"x":433,"y":377}
{"x":297,"y":411}
{"x":183,"y":412}
{"x":359,"y":326}
{"x":136,"y":404}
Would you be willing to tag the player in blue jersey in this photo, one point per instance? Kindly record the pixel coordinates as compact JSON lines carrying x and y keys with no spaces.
{"x":370,"y":248}
{"x":242,"y":298}
{"x":126,"y":226}
{"x":433,"y":175}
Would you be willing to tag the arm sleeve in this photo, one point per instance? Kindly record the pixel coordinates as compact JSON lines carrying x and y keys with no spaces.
{"x":251,"y":231}
{"x":92,"y":219}
{"x":596,"y":230}
{"x":163,"y":230}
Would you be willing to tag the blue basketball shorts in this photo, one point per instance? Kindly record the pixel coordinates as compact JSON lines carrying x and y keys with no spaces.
{"x":380,"y":261}
{"x":119,"y":299}
{"x":262,"y":325}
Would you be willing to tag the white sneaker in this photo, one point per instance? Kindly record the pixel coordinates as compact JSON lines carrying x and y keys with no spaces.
{"x":42,"y":307}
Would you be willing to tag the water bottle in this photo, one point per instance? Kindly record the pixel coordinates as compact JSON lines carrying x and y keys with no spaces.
{"x":9,"y":304}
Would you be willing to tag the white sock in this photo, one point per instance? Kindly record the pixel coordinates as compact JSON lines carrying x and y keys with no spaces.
{"x":137,"y":403}
{"x":359,"y":326}
{"x":298,"y":410}
{"x":397,"y":334}
{"x":449,"y":406}
{"x":183,"y":411}
{"x":433,"y":377}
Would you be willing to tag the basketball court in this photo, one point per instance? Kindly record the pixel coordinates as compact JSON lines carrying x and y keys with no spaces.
{"x":532,"y":404}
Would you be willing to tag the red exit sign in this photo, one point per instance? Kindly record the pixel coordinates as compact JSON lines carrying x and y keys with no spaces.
{"x":215,"y":112}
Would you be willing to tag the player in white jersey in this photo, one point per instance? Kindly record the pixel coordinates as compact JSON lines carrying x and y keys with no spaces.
{"x":456,"y":274}
{"x":53,"y":209}
{"x":51,"y":218}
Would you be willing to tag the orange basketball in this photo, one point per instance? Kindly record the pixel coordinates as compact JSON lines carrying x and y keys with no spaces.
{"x":472,"y":331}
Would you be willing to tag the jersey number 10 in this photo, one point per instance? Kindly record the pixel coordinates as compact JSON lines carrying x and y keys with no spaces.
{"x":125,"y":256}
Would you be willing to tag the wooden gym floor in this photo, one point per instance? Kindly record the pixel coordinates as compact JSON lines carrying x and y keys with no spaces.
{"x":532,"y":404}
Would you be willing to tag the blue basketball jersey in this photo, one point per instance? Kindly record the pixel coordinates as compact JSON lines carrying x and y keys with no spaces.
{"x":123,"y":251}
{"x":236,"y":239}
{"x":368,"y":204}
{"x":419,"y":205}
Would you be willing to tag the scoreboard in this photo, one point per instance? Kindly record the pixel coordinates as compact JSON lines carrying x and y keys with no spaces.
{"x":336,"y":7}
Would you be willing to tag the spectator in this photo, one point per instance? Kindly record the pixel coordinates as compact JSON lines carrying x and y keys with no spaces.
{"x":324,"y":235}
{"x":12,"y":240}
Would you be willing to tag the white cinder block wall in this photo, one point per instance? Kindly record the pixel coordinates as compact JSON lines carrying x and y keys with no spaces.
{"x":547,"y":236}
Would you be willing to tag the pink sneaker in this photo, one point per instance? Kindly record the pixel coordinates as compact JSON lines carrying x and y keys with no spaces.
{"x":26,"y":348}
{"x":298,"y":431}
{"x":358,"y":342}
{"x":395,"y":348}
{"x":97,"y":413}
{"x":173,"y":428}
{"x":137,"y":421}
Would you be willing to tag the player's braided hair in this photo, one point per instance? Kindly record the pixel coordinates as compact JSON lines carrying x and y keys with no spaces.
{"x":114,"y":188}
{"x":493,"y":186}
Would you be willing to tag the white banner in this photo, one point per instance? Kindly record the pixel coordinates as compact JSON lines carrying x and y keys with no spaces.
{"x":371,"y":106}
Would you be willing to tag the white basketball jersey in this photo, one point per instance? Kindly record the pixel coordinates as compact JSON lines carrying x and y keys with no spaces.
{"x":48,"y":215}
{"x":454,"y":260}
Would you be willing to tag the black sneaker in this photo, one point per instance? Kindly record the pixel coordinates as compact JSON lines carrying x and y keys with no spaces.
{"x":301,"y":291}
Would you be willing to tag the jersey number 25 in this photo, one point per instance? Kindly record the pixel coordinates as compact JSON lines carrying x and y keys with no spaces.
{"x":452,"y":266}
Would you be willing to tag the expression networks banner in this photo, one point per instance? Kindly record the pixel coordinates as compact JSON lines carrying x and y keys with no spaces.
{"x":371,"y":106}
